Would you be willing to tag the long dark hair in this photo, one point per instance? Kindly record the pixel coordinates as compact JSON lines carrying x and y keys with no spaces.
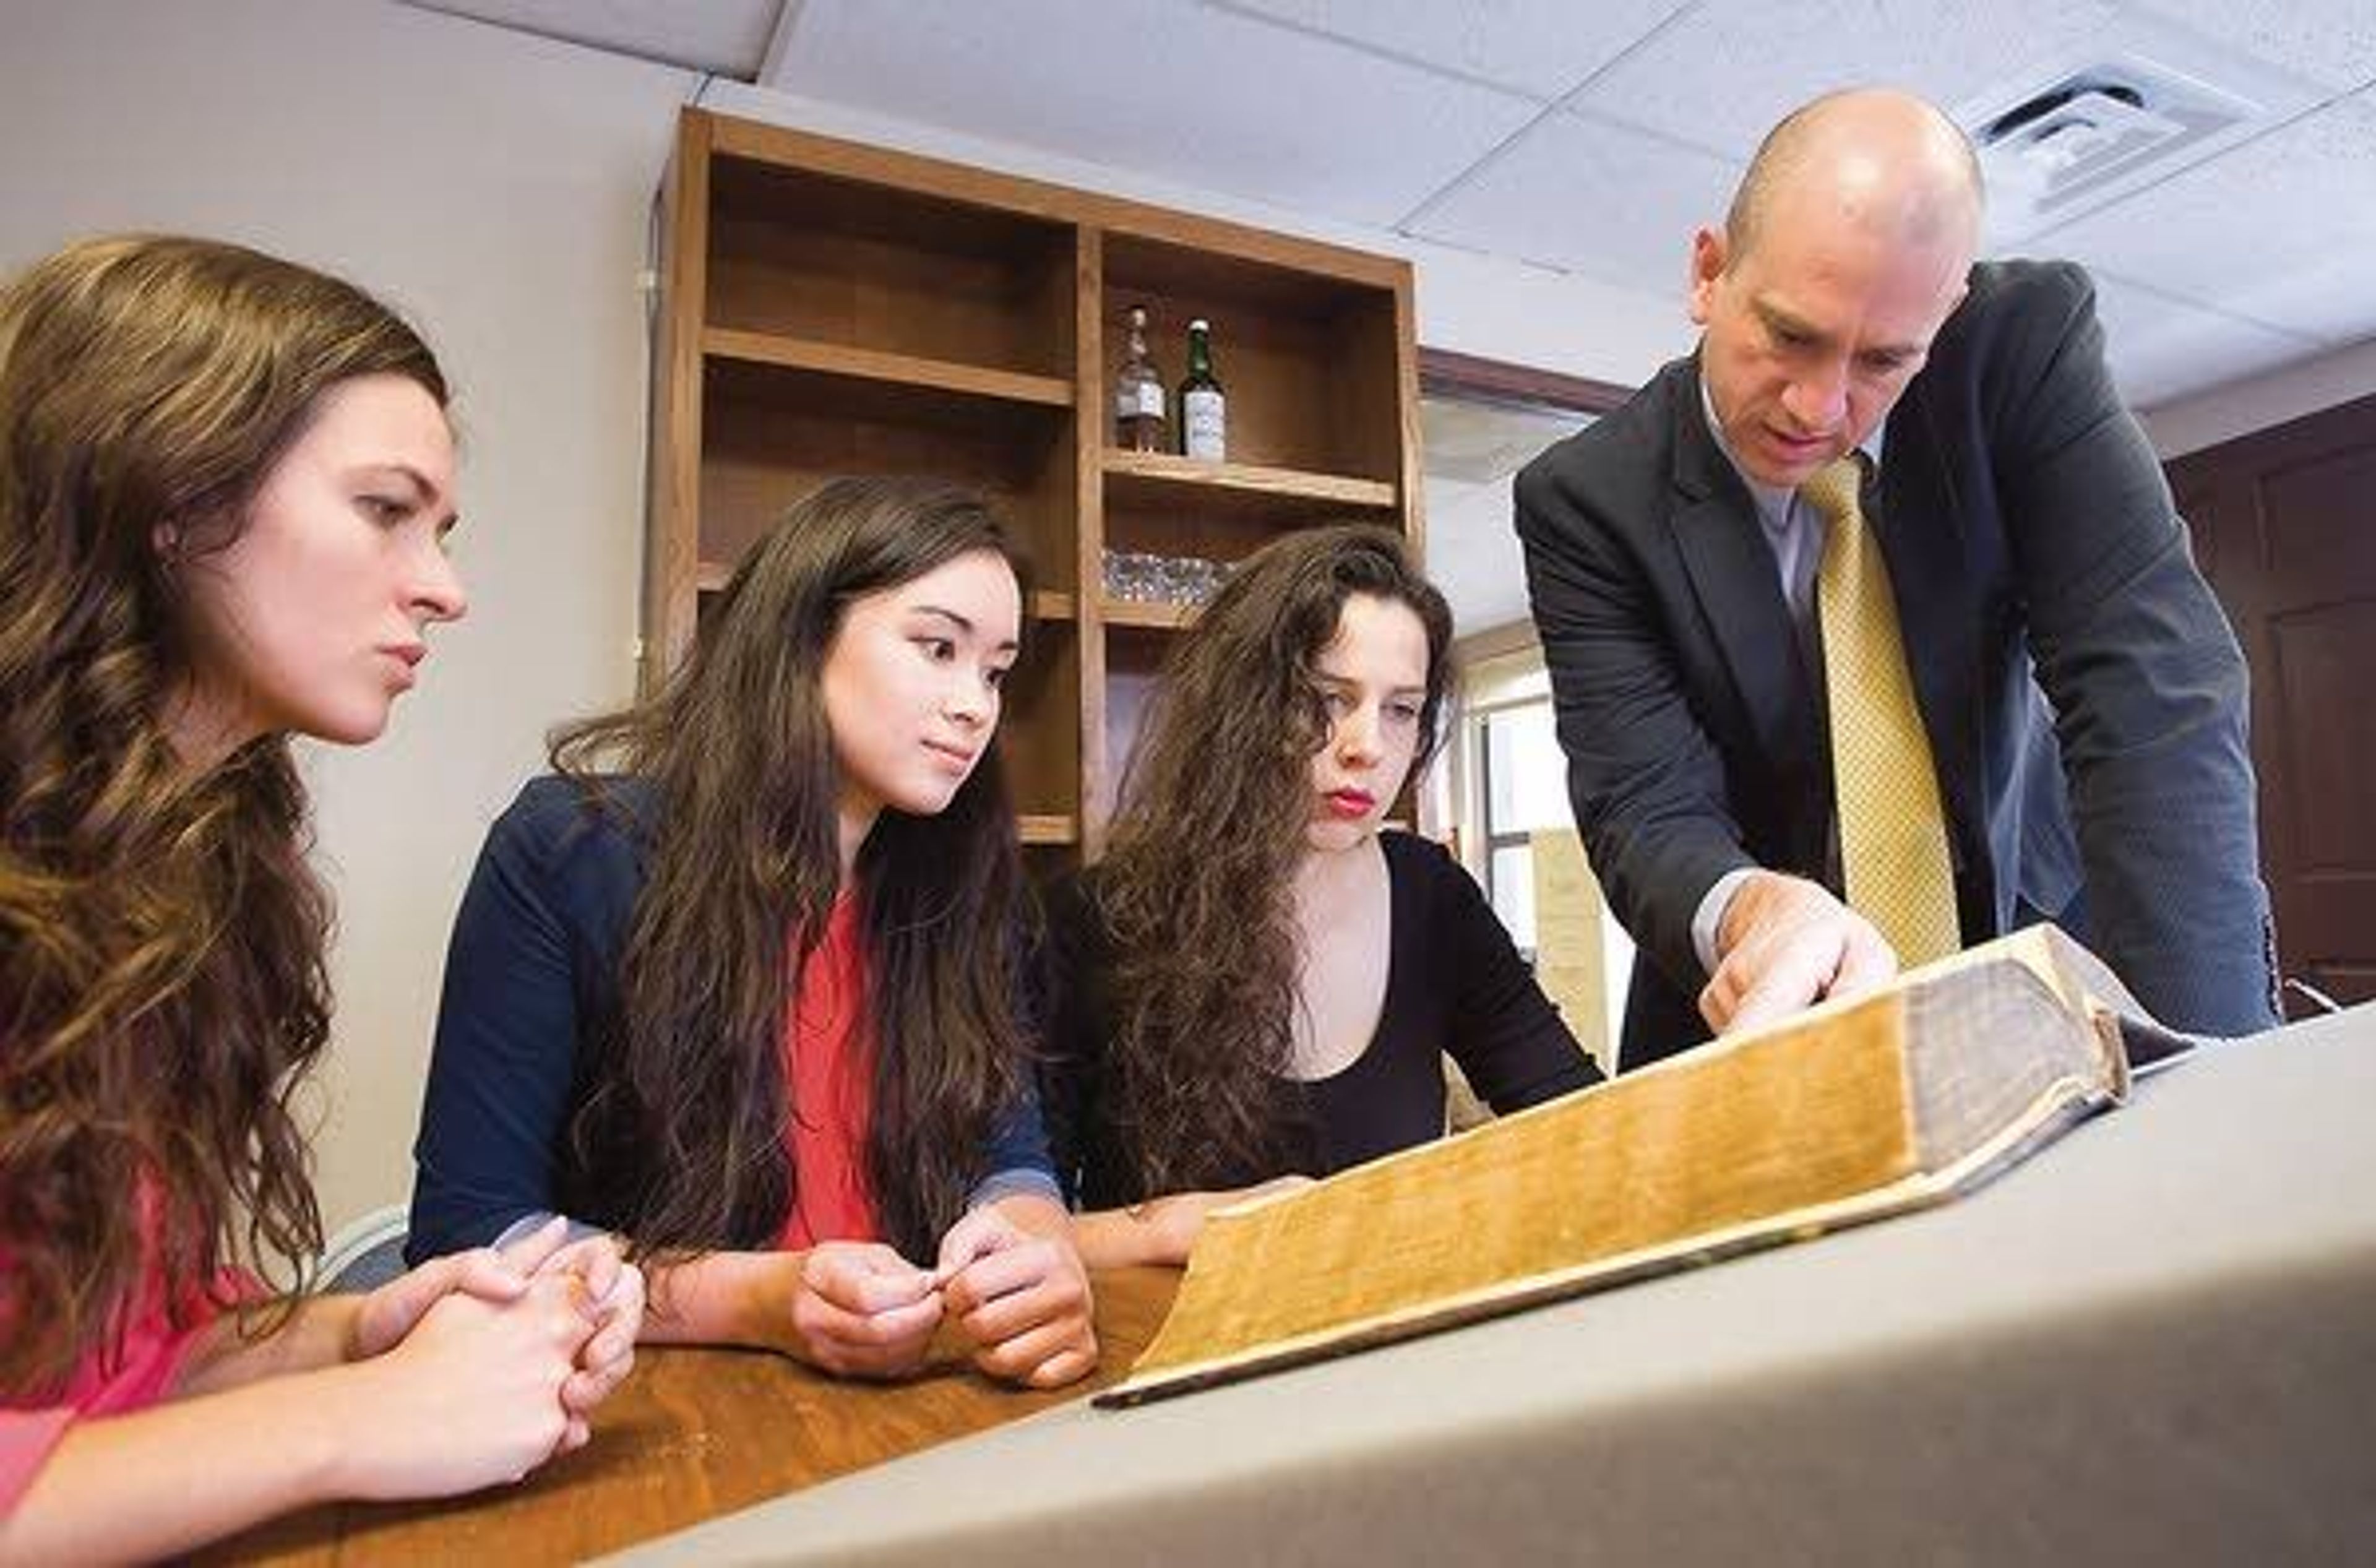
{"x":1196,"y":891}
{"x":680,"y":1139}
{"x":161,"y":981}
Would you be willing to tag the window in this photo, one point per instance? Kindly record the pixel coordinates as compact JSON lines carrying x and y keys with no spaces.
{"x":1514,"y":787}
{"x":1521,"y":785}
{"x":1507,"y":782}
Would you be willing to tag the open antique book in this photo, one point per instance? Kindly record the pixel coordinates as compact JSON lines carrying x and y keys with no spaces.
{"x":1852,"y":1112}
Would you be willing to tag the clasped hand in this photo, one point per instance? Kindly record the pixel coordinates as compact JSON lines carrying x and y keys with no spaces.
{"x":606,"y":1290}
{"x":1020,"y":1298}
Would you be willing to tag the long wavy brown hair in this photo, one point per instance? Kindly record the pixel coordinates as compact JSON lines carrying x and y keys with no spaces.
{"x":161,"y":981}
{"x":1196,"y":891}
{"x":681,"y":1140}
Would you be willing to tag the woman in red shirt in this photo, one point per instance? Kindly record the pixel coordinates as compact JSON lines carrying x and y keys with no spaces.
{"x":224,"y":484}
{"x":739,"y":980}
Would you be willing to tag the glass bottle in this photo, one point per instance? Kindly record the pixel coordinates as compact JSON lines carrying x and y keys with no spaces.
{"x":1138,"y":393}
{"x":1204,"y":413}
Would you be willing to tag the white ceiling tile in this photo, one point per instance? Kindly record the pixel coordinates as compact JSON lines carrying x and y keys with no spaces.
{"x":1588,"y":196}
{"x":1721,"y":76}
{"x":2270,"y":231}
{"x":2332,"y":42}
{"x":728,"y":37}
{"x":1473,"y":555}
{"x":1164,"y":89}
{"x":1546,"y":48}
{"x":2162,"y":348}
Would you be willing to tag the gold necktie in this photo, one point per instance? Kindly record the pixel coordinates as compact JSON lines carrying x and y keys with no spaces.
{"x":1893,"y":831}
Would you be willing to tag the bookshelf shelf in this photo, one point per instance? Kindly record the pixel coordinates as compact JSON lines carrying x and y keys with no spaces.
{"x":1160,"y":478}
{"x":896,"y":369}
{"x":1046,"y":828}
{"x":1142,"y":615}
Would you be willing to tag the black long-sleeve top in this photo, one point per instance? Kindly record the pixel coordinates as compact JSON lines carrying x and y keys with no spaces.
{"x":1454,"y":985}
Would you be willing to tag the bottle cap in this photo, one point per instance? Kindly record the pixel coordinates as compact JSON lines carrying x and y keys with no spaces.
{"x":1199,"y":325}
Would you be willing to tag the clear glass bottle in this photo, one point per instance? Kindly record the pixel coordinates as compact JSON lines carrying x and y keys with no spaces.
{"x":1138,"y":393}
{"x":1203,"y":413}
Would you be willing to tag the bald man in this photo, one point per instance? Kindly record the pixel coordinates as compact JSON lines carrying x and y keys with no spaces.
{"x":2043,"y":589}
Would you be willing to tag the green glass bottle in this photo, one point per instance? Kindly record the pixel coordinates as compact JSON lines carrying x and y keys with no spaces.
{"x":1203,"y":413}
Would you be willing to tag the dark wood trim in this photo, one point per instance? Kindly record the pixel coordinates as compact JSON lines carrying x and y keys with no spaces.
{"x":2318,"y":434}
{"x":1444,"y":374}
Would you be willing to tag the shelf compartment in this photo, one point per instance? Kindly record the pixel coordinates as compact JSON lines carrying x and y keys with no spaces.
{"x":772,"y":434}
{"x":1040,"y":728}
{"x":1169,"y":505}
{"x":896,"y":369}
{"x":811,"y":255}
{"x":1311,"y":363}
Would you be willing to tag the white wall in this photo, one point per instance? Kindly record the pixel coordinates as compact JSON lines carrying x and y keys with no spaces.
{"x":496,"y":187}
{"x":2225,"y":412}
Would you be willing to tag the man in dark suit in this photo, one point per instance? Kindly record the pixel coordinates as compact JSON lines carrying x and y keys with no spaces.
{"x":2029,"y":542}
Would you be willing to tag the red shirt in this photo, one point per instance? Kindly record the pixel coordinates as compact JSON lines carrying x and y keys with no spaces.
{"x":829,"y":1070}
{"x":152,"y":1353}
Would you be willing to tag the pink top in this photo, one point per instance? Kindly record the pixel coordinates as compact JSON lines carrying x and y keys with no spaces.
{"x":151,"y":1355}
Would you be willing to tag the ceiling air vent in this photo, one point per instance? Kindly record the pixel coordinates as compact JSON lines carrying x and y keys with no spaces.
{"x":2067,"y":140}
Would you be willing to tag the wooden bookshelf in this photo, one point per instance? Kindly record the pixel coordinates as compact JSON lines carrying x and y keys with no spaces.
{"x":832,"y":308}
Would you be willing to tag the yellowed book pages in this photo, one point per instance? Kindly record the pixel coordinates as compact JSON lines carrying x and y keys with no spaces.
{"x":1852,"y":1110}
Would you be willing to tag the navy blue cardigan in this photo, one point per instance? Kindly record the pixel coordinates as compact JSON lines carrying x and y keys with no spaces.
{"x":531,"y":977}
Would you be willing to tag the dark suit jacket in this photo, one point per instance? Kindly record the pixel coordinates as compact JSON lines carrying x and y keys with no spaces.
{"x":2032,"y":543}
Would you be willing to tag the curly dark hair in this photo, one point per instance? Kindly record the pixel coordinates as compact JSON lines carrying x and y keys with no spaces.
{"x":680,"y":1141}
{"x":163,"y":989}
{"x":1196,"y":891}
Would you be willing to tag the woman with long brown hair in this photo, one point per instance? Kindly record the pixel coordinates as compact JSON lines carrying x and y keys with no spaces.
{"x":224,"y":482}
{"x":739,"y":981}
{"x":1256,"y":984}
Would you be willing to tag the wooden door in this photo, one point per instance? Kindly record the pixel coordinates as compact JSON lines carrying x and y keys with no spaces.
{"x":2284,"y":527}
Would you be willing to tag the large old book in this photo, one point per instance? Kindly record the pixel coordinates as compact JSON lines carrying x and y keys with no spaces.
{"x":1852,"y":1112}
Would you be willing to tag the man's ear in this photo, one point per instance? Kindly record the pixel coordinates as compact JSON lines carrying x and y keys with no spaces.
{"x":1708,"y":267}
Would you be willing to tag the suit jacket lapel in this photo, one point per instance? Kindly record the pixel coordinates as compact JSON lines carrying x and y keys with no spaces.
{"x":1739,"y":586}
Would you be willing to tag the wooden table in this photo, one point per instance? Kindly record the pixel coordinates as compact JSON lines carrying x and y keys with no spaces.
{"x":2153,"y":1343}
{"x":695,"y":1433}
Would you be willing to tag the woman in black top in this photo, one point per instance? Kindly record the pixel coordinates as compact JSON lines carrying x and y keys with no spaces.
{"x":1256,"y":985}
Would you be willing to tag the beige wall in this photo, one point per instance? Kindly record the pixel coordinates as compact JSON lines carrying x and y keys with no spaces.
{"x":496,"y":188}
